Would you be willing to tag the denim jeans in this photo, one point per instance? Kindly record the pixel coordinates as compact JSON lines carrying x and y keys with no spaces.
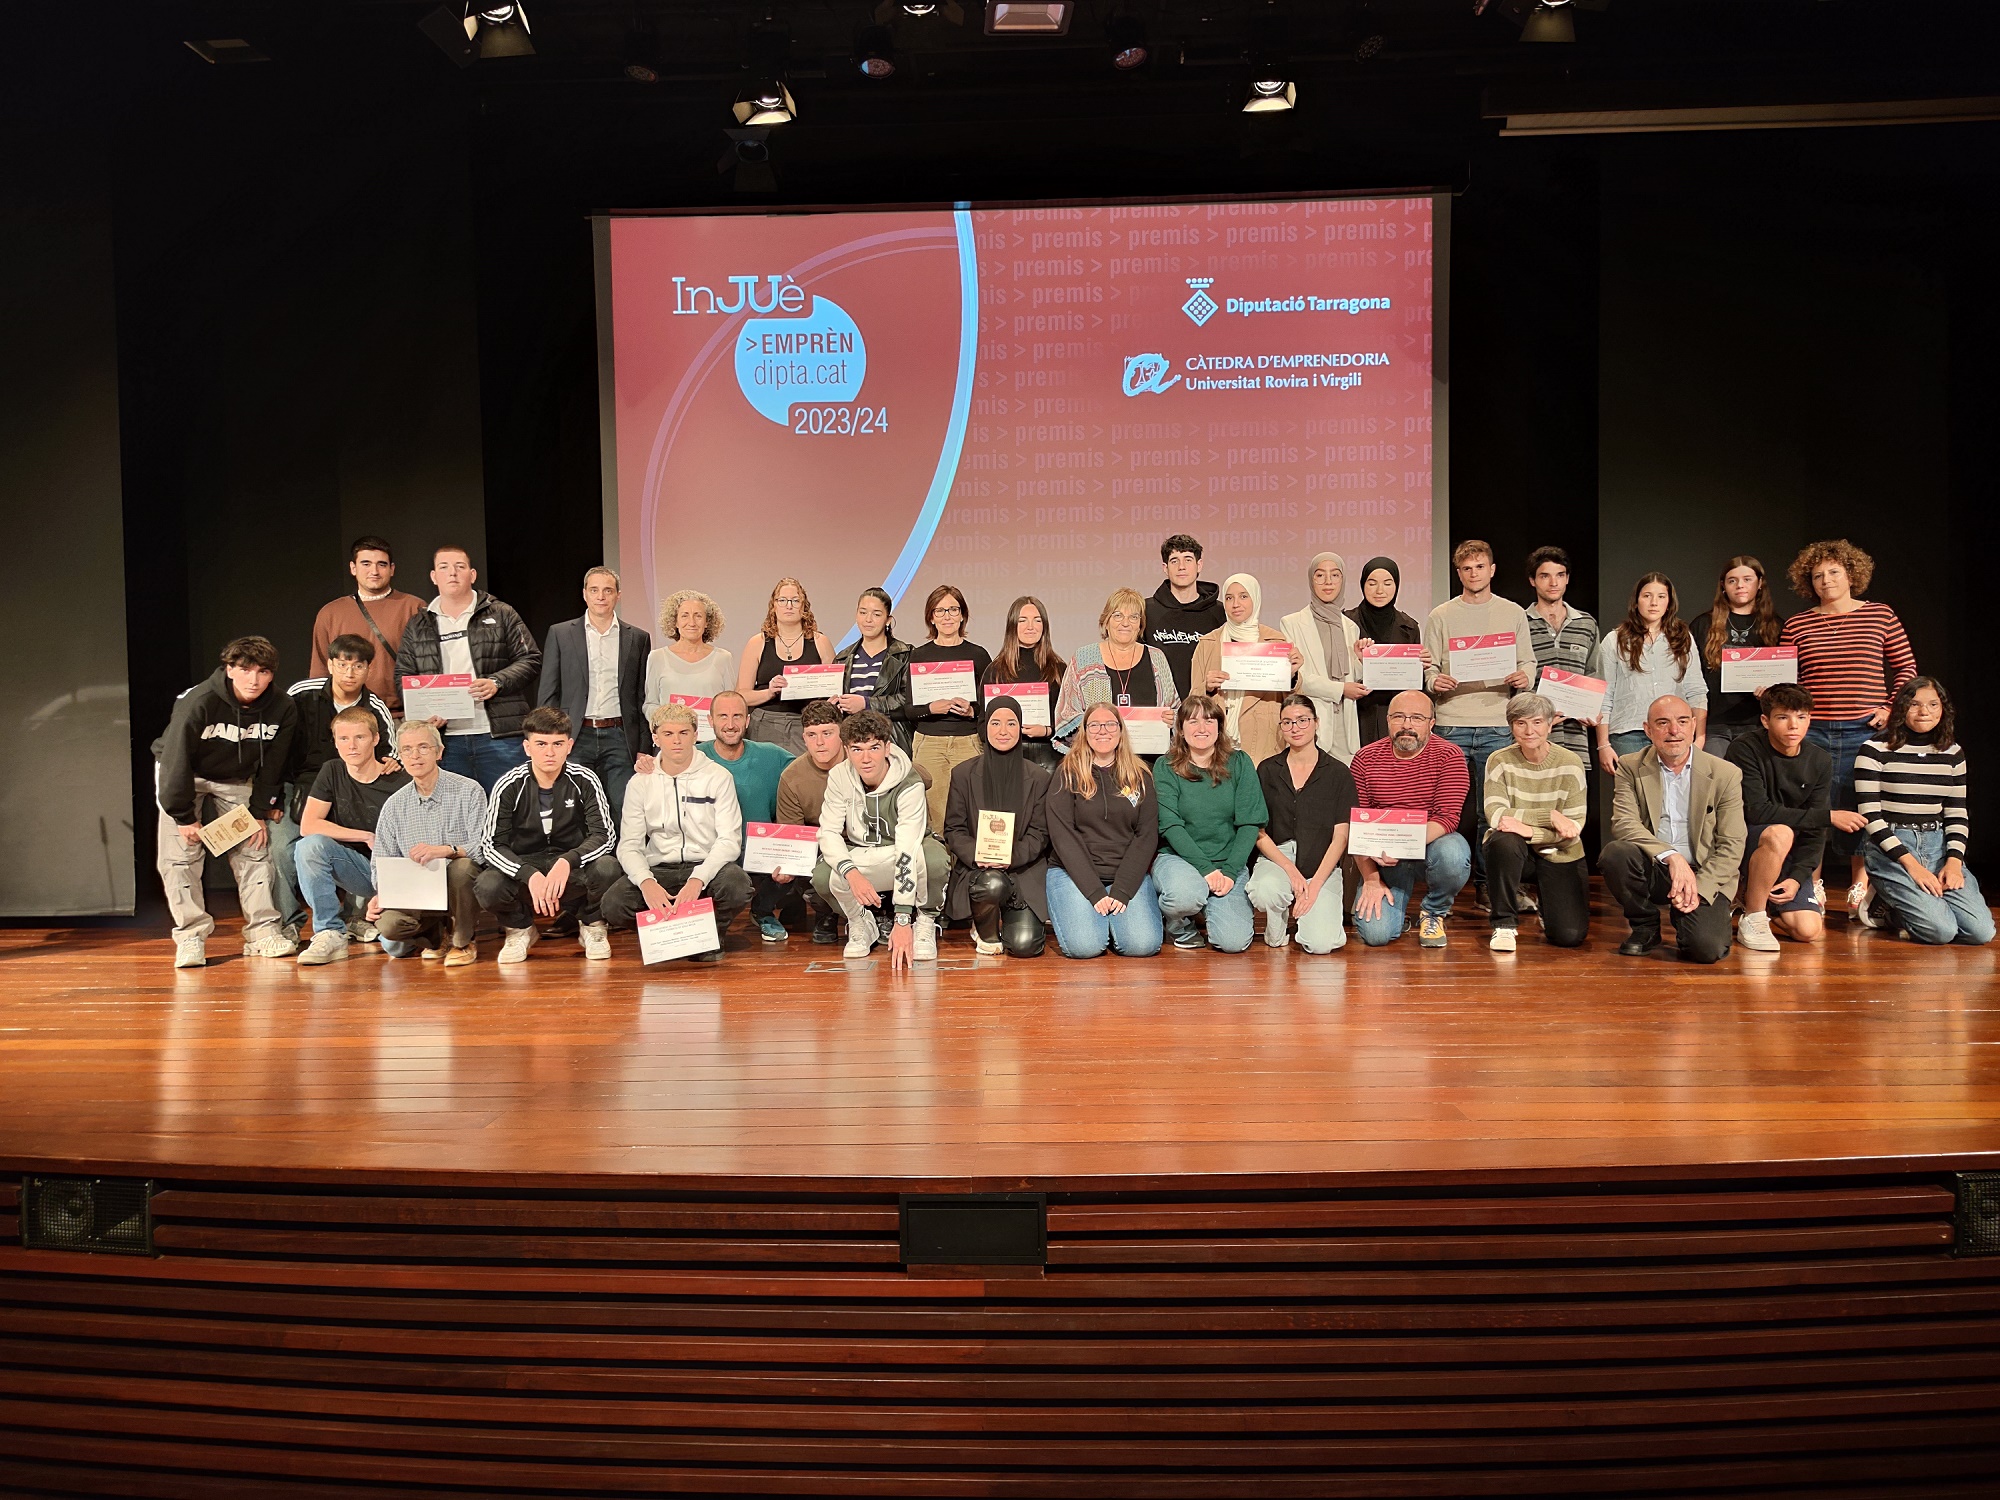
{"x":326,"y":868}
{"x":1841,"y":739}
{"x":483,"y":757}
{"x":1184,"y":891}
{"x":1084,"y":932}
{"x":1447,"y":866}
{"x":1960,"y":916}
{"x":286,"y":886}
{"x":605,"y":752}
{"x":1270,"y":892}
{"x":1477,"y":741}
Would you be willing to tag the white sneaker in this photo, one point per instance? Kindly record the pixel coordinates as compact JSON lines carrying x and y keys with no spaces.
{"x":519,"y":941}
{"x":191,"y":952}
{"x":1277,"y":931}
{"x":596,"y":940}
{"x":328,"y":947}
{"x":361,"y":930}
{"x":270,"y":947}
{"x":861,"y":935}
{"x":1753,"y":931}
{"x":1860,"y":896}
{"x":985,"y":949}
{"x":925,"y":947}
{"x":1504,"y":940}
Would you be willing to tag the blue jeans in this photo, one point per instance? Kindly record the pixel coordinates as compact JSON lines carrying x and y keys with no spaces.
{"x":1841,"y":738}
{"x":483,"y":757}
{"x":1629,"y":742}
{"x":1084,"y":932}
{"x":1447,"y":866}
{"x":1184,"y":891}
{"x":1959,"y":916}
{"x":605,"y":752}
{"x":1477,"y":741}
{"x":285,"y":887}
{"x":326,"y":868}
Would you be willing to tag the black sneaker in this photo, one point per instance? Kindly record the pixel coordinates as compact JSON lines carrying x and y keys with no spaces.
{"x":1642,"y":941}
{"x":826,"y":929}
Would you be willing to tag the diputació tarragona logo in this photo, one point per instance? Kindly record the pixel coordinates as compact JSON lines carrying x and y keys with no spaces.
{"x":1200,"y":307}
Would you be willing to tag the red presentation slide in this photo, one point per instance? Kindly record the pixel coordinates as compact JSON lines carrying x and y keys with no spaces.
{"x":1019,"y":402}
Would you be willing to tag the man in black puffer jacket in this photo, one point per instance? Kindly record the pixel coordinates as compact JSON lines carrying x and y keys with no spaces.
{"x":467,"y":631}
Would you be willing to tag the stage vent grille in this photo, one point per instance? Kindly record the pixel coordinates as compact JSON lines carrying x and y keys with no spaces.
{"x":1978,"y":1214}
{"x":975,"y":1229}
{"x":112,"y":1215}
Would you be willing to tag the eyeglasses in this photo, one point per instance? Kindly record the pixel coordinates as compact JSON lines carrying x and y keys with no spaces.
{"x":1409,"y":718}
{"x":793,"y":599}
{"x":1296,"y":723}
{"x":946,"y":609}
{"x":1104,"y":726}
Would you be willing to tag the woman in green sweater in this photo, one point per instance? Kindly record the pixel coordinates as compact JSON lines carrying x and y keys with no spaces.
{"x":1211,"y":810}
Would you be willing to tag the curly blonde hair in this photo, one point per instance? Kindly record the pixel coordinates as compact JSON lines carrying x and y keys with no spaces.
{"x":1860,"y":567}
{"x":805,"y":615}
{"x":670,"y":609}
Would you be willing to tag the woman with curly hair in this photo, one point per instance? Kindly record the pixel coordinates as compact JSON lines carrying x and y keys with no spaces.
{"x":1854,"y":658}
{"x":1651,"y":655}
{"x":789,"y":638}
{"x":1743,"y":615}
{"x":690,"y":665}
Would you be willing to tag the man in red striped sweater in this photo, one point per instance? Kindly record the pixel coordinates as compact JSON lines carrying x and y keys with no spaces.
{"x":1413,"y":769}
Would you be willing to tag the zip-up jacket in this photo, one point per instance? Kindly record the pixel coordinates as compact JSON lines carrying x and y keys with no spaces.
{"x":892,"y":689}
{"x":579,"y":832}
{"x":312,"y":741}
{"x":893,"y":815}
{"x":503,"y":648}
{"x":689,"y":819}
{"x":213,"y":737}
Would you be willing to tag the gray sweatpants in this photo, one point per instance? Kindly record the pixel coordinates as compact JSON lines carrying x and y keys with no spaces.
{"x":181,"y":864}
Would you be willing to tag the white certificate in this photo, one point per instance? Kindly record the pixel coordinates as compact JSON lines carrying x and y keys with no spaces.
{"x":664,"y":935}
{"x":1387,"y":832}
{"x":1747,"y":668}
{"x":405,"y":885}
{"x":780,"y":848}
{"x":1033,"y":697}
{"x":813,"y":682}
{"x":1574,"y":695}
{"x":442,"y":695}
{"x":1256,"y":666}
{"x":939,"y":681}
{"x":1482,"y":658}
{"x":702,"y":729}
{"x":1392,"y":669}
{"x":1149,"y":729}
{"x":229,"y":830}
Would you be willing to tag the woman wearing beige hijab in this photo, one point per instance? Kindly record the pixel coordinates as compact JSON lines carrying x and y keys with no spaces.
{"x":1330,"y":659}
{"x":1252,"y":720}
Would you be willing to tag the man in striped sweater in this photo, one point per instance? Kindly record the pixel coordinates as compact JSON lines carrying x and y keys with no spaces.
{"x":548,"y":842}
{"x":1412,"y":769}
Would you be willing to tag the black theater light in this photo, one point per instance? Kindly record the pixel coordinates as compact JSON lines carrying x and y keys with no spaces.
{"x":1127,"y":37}
{"x":479,"y":30}
{"x":1550,"y":21}
{"x":1271,"y":87}
{"x":1048,"y":18}
{"x":766,"y":102}
{"x":875,"y":53}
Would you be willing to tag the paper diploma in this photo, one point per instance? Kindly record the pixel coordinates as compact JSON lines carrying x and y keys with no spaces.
{"x":442,"y":695}
{"x":1482,"y":658}
{"x":1392,"y":669}
{"x":812,"y":682}
{"x":1387,"y":832}
{"x":780,"y":848}
{"x":703,"y":730}
{"x":664,"y":935}
{"x":1150,"y":730}
{"x":405,"y":885}
{"x":1033,"y":697}
{"x":1747,"y":668}
{"x":1574,"y":695}
{"x":938,"y":681}
{"x":1256,"y":667}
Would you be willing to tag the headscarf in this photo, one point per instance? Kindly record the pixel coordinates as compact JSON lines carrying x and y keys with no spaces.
{"x":1001,"y":780}
{"x":1249,"y":630}
{"x":1378,"y":624}
{"x":1332,"y":631}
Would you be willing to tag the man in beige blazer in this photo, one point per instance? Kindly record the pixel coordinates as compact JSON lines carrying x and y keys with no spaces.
{"x":1677,"y":838}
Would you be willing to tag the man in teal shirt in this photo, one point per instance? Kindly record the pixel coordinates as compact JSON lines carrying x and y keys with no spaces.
{"x":755,"y":768}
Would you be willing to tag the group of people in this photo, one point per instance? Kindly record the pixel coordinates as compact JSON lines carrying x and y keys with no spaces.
{"x":597,"y":778}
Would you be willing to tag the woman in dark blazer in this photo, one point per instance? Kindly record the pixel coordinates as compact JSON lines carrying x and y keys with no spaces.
{"x":1009,"y":907}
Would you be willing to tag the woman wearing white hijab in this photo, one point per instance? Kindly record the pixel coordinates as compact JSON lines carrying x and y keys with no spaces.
{"x":1252,"y":721}
{"x":1327,"y":643}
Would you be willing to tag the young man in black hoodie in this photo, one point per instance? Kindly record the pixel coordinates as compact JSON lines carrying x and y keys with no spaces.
{"x":225,"y":747}
{"x":1183,"y":609}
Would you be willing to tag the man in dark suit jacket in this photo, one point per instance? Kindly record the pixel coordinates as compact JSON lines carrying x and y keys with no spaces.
{"x":594,"y":670}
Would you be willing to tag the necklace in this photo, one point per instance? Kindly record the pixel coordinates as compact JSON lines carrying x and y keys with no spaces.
{"x":796,"y":649}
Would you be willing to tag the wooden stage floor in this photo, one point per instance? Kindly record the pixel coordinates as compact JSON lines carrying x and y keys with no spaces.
{"x":785,"y":1066}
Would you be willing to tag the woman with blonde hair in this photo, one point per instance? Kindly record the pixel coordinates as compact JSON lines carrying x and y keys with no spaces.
{"x":1104,"y":828}
{"x":1118,"y":669}
{"x":789,"y":637}
{"x":690,"y":664}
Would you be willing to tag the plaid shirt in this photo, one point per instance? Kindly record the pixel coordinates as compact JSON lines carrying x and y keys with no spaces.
{"x":1568,"y":649}
{"x":453,"y":814}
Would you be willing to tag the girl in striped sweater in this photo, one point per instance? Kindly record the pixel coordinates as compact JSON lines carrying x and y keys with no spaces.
{"x":1910,"y":786}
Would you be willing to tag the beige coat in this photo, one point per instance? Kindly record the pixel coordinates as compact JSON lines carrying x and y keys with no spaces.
{"x":1257,"y":733}
{"x":1715,"y":815}
{"x":1339,"y":724}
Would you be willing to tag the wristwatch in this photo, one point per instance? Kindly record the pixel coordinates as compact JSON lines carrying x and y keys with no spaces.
{"x":904,"y":919}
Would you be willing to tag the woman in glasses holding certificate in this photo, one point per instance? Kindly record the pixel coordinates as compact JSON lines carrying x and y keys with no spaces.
{"x":790,"y":638}
{"x":1118,"y":669}
{"x":1029,"y":670}
{"x":995,"y":828}
{"x":945,"y":673}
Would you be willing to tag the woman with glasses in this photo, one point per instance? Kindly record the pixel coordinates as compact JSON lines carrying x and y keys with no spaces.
{"x":1307,"y":795}
{"x":1104,"y":828}
{"x":1118,"y":669}
{"x":946,"y":730}
{"x":789,"y":638}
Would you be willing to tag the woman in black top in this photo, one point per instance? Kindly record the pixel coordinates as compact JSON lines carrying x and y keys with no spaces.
{"x":1381,"y":624}
{"x":947,"y":730}
{"x":1309,"y":796}
{"x":789,"y":638}
{"x":1103,"y":817}
{"x":1743,"y":615}
{"x":1007,"y":902}
{"x":1027,"y":657}
{"x":878,"y":666}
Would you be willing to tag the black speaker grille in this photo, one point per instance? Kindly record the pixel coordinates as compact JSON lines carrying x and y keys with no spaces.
{"x":975,"y":1229}
{"x":111,"y":1214}
{"x":1977,"y":1219}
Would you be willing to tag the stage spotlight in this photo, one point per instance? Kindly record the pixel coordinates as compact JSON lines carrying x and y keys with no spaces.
{"x":1007,"y":18}
{"x":875,"y":53}
{"x":500,"y":31}
{"x":746,"y":160}
{"x":1550,"y":21}
{"x":1127,"y":35}
{"x":766,"y":102}
{"x":921,"y":9}
{"x":1271,"y":86}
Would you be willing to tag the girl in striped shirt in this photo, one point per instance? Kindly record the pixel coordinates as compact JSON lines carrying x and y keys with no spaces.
{"x":1910,"y":784}
{"x":1853,"y":658}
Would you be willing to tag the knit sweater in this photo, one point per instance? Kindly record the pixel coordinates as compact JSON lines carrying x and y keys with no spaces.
{"x":1213,"y":825}
{"x":1473,"y":704}
{"x":1852,"y":664}
{"x":1530,"y":793}
{"x":1917,"y":784}
{"x":1435,"y":779}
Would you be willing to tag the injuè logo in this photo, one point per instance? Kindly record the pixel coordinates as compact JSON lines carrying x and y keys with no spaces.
{"x":782,"y":294}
